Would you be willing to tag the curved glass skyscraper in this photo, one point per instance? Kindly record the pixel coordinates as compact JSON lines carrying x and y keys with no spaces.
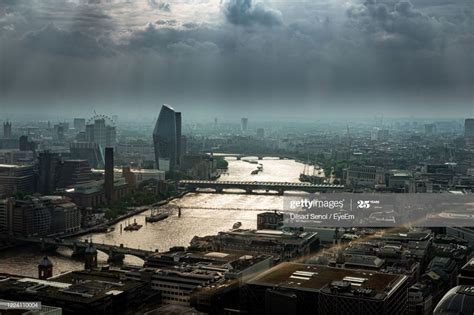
{"x":167,"y":139}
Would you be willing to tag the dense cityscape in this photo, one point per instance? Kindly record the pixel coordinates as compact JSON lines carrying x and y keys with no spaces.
{"x":89,"y":191}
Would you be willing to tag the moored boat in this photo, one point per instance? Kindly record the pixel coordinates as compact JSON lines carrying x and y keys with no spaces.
{"x":155,"y":217}
{"x":133,"y":227}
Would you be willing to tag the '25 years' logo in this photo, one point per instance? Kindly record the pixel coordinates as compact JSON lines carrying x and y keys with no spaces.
{"x":363,"y":204}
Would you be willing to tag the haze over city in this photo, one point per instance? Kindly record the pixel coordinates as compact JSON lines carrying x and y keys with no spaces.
{"x":270,"y":59}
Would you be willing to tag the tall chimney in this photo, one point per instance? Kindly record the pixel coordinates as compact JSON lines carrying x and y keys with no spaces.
{"x":109,"y":174}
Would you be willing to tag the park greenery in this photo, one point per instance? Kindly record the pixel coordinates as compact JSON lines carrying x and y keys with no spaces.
{"x":137,"y":198}
{"x":221,"y":162}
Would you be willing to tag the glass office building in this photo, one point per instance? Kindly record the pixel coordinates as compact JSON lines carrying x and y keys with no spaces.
{"x":167,"y":139}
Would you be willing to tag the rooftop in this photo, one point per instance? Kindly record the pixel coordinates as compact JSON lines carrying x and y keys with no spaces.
{"x":315,"y":277}
{"x":80,"y":286}
{"x":226,"y":260}
{"x":270,"y":234}
{"x":94,"y":186}
{"x":469,"y":266}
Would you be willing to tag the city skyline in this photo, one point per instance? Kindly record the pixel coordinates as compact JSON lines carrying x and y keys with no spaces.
{"x":323,"y":58}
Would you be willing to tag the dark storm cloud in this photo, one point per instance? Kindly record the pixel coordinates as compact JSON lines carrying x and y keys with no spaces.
{"x":50,"y":39}
{"x":243,"y":12}
{"x":160,"y":39}
{"x":358,"y":52}
{"x":401,"y":25}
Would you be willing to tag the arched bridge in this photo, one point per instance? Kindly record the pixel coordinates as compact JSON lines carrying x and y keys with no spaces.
{"x":259,"y":156}
{"x":249,"y":187}
{"x":115,"y":253}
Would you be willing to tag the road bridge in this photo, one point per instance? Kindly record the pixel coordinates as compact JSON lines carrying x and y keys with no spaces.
{"x":250,"y":187}
{"x":115,"y":253}
{"x":259,"y":156}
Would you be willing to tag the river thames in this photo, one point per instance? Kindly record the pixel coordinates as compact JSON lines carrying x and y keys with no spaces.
{"x":202,"y":214}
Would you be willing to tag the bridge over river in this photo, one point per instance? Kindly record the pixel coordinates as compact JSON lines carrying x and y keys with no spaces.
{"x":115,"y":253}
{"x":249,"y":187}
{"x":259,"y":156}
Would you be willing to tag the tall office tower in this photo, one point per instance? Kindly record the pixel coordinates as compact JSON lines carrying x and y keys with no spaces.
{"x":167,"y":139}
{"x":79,"y":124}
{"x":74,"y":172}
{"x":260,"y":133}
{"x":243,"y":124}
{"x":48,"y":168}
{"x":102,"y":133}
{"x":109,"y":174}
{"x":469,"y":128}
{"x":469,"y":132}
{"x":7,"y":130}
{"x":216,"y":123}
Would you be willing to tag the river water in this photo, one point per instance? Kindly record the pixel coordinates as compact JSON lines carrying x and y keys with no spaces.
{"x":202,"y":214}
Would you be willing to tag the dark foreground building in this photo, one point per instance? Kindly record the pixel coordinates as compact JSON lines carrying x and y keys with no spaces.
{"x":459,"y":300}
{"x":292,"y":288}
{"x":83,"y":292}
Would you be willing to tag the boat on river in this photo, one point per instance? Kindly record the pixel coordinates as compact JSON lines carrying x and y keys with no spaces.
{"x":156,"y":216}
{"x":237,"y":225}
{"x":133,"y":227}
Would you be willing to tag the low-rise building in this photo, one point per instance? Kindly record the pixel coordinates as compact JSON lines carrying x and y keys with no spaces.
{"x":293,"y":288}
{"x":269,"y":220}
{"x":283,"y":245}
{"x":399,"y":181}
{"x":30,"y":218}
{"x":16,"y":178}
{"x":92,"y":194}
{"x":466,"y":274}
{"x":83,"y":292}
{"x":65,"y":215}
{"x":208,"y":281}
{"x":420,"y":299}
{"x":139,"y":174}
{"x":364,"y":176}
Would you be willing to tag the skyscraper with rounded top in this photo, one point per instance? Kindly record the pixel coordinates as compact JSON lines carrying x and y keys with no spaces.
{"x":167,"y":139}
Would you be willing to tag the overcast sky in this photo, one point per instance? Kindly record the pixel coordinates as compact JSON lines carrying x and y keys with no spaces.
{"x":272,"y":58}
